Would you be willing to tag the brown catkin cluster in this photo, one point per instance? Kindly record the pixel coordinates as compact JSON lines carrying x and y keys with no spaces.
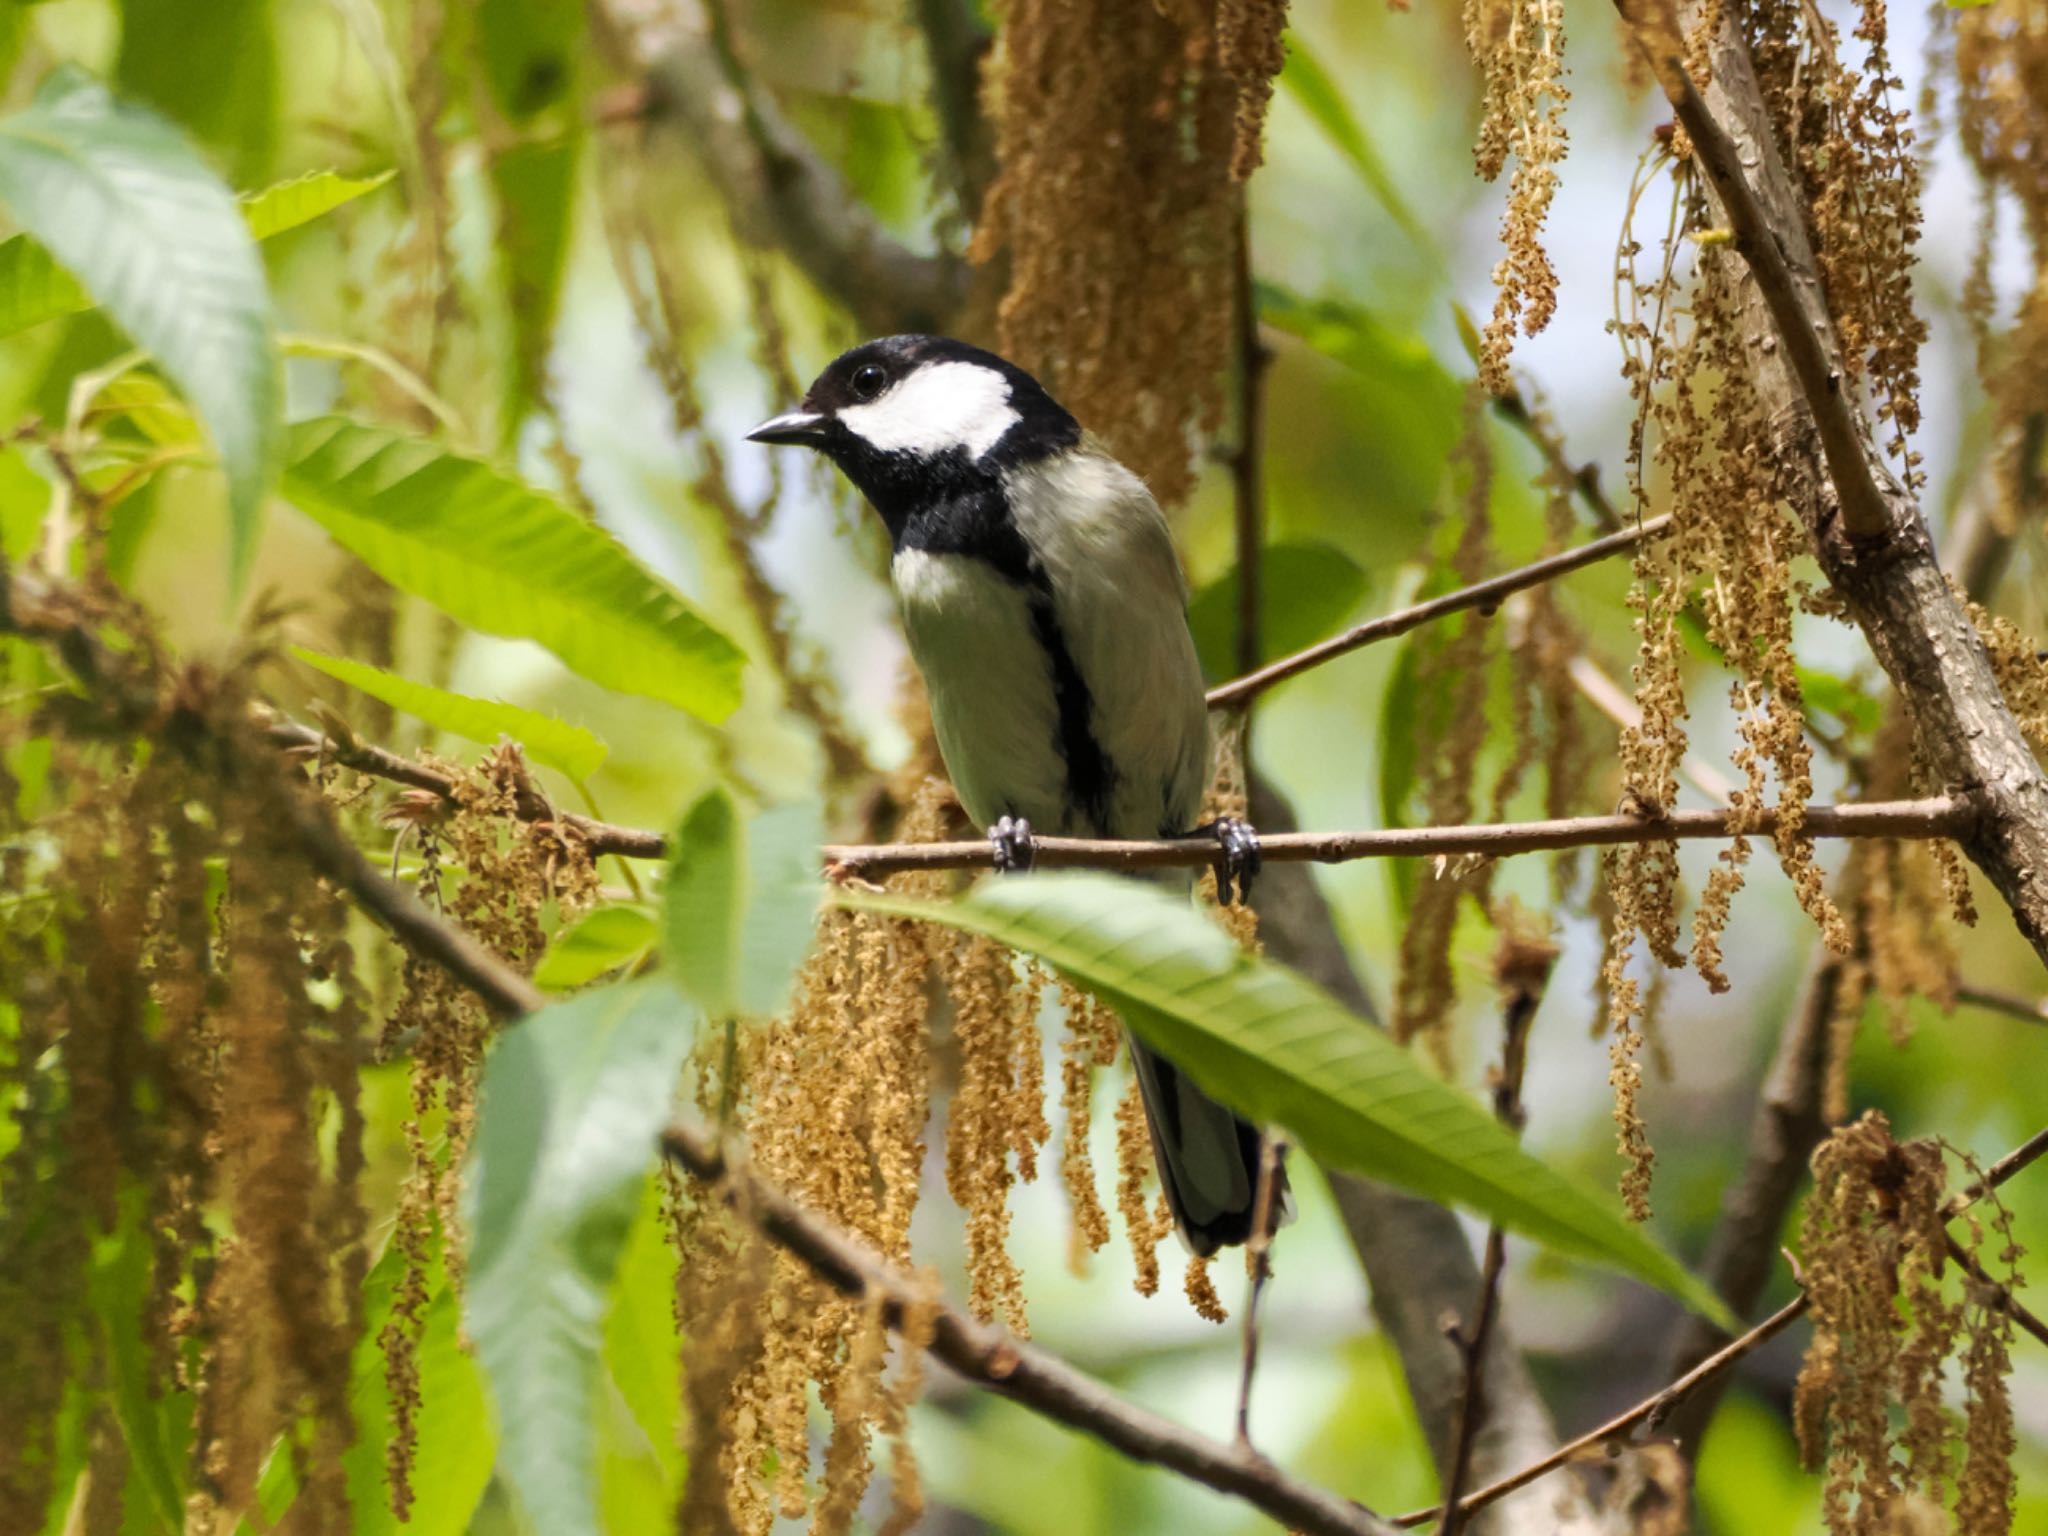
{"x":185,"y":1137}
{"x":1849,"y":140}
{"x":1249,"y":50}
{"x":2001,"y":74}
{"x":1518,"y":46}
{"x":1092,"y":1040}
{"x":1120,"y":264}
{"x":1453,"y":672}
{"x":1890,"y":1309}
{"x":2021,"y":667}
{"x":513,"y":874}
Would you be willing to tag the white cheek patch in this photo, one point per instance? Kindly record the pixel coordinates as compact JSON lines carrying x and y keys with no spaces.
{"x":940,"y":407}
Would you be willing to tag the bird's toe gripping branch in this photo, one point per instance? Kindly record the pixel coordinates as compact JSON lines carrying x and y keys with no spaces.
{"x":1238,"y":859}
{"x":1014,"y":848}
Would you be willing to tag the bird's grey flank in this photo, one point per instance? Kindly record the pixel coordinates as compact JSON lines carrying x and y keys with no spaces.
{"x":1044,"y":605}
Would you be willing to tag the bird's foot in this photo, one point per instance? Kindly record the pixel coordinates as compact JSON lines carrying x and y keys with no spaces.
{"x":1014,"y":848}
{"x":1238,"y":859}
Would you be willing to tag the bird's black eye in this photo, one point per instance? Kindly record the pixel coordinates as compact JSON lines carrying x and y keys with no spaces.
{"x":868,"y":380}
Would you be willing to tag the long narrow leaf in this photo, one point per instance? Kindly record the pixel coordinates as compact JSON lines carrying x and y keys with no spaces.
{"x":573,"y":1099}
{"x":34,"y":288}
{"x":137,"y":216}
{"x":548,"y":741}
{"x":508,"y":559}
{"x":738,"y":904}
{"x":1272,"y":1045}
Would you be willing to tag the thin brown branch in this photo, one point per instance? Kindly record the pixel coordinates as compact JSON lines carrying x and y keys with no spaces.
{"x":1653,"y":1410}
{"x":1258,"y":1251}
{"x":1867,"y":529}
{"x":1867,"y":494}
{"x":2032,"y":1009}
{"x":992,"y":1358}
{"x":1525,"y":972}
{"x":1485,"y":596}
{"x":780,"y":190}
{"x":1583,"y":480}
{"x":1941,"y":816}
{"x":601,"y":837}
{"x":2001,"y":1296}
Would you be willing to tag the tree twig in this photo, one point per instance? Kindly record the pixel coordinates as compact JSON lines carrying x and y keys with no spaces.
{"x":992,"y":1358}
{"x":1653,"y":1410}
{"x":1258,"y":1252}
{"x":1484,"y":595}
{"x":2032,"y":1009}
{"x":2001,"y":1296}
{"x":1525,"y":972}
{"x":1866,"y":528}
{"x":1942,"y":816}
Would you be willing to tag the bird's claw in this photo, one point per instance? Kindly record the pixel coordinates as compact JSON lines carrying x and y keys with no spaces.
{"x":1014,"y":848}
{"x":1238,"y":859}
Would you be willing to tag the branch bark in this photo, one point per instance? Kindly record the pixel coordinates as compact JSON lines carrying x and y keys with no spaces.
{"x":1942,"y":816}
{"x":1867,"y":529}
{"x":780,"y":190}
{"x":1486,"y":595}
{"x":992,"y":1358}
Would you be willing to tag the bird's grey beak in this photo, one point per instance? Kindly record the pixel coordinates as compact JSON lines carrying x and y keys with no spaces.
{"x":805,"y":428}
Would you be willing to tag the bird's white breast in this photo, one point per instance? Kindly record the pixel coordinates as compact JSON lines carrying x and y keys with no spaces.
{"x":993,"y":705}
{"x":936,"y":408}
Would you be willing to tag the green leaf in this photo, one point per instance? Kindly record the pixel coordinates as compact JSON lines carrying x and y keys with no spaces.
{"x":212,"y":69}
{"x":127,"y":206}
{"x":508,"y":559}
{"x":120,"y":1295}
{"x":24,"y":499}
{"x":554,"y":743}
{"x":530,"y":52}
{"x":599,"y":941}
{"x":1274,"y":1046}
{"x":33,"y":288}
{"x":1305,"y":591}
{"x":1309,"y":83}
{"x":303,"y":199}
{"x":536,"y":198}
{"x":1414,"y":403}
{"x":574,"y":1098}
{"x":738,"y":904}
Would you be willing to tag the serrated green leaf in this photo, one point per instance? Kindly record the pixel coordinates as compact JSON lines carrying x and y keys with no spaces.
{"x":303,"y":199}
{"x":508,"y":559}
{"x":34,"y":288}
{"x":1309,"y":83}
{"x":597,"y":942}
{"x":556,"y":744}
{"x":129,"y":208}
{"x":574,"y":1098}
{"x":1272,"y":1045}
{"x":230,"y":104}
{"x":738,"y":904}
{"x":1305,"y":591}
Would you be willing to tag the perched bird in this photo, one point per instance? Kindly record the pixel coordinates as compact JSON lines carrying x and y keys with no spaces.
{"x":1046,"y":609}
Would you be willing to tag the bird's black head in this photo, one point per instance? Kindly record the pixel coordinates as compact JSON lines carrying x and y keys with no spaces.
{"x":915,"y":420}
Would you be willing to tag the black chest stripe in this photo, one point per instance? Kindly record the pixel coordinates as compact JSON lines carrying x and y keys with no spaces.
{"x":1090,"y":775}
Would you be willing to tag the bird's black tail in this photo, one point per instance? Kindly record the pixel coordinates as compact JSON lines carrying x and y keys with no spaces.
{"x":1208,"y":1156}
